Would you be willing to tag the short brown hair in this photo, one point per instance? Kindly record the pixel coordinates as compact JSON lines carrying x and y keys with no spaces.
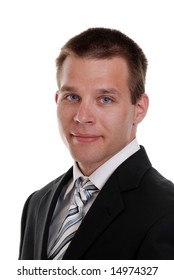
{"x":103,"y":43}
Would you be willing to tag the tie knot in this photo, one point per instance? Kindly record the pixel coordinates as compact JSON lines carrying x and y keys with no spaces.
{"x":84,"y":190}
{"x":80,"y":181}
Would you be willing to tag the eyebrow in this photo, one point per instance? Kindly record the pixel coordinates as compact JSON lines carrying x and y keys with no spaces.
{"x":68,"y":88}
{"x":112,"y":91}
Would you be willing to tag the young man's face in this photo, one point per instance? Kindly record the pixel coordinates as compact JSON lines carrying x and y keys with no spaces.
{"x":95,"y":113}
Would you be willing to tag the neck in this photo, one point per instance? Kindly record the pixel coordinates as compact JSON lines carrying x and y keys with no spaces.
{"x":88,"y":169}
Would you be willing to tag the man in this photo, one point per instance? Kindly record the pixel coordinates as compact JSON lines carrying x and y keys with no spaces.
{"x":112,"y":204}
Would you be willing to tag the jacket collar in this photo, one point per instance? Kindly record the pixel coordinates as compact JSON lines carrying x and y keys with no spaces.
{"x":130,"y":172}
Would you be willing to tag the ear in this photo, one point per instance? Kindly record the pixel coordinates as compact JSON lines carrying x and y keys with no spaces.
{"x":56,"y":96}
{"x":141,"y":108}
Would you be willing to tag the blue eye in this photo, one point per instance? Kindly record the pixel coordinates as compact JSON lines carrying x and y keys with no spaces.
{"x":105,"y":100}
{"x":72,"y":97}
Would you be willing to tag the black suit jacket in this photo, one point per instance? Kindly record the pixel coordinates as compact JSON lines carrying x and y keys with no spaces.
{"x":131,"y":218}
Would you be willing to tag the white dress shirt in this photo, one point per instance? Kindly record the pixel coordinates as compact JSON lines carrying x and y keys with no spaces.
{"x":98,"y":178}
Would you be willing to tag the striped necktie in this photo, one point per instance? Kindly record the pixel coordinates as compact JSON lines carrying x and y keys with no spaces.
{"x":83,"y":191}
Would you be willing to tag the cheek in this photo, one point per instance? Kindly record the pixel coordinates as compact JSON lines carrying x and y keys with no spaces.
{"x":64,"y":118}
{"x":60,"y":117}
{"x":128,"y":114}
{"x":61,"y":112}
{"x":119,"y":121}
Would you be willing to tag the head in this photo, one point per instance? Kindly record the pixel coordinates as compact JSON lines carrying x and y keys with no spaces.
{"x":101,"y":97}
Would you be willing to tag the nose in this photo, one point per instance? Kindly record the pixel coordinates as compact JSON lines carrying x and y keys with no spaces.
{"x":85,"y":113}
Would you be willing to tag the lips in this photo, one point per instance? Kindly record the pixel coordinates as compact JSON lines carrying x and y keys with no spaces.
{"x":84,"y":138}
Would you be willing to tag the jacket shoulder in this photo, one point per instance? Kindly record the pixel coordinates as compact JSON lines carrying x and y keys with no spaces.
{"x":154,"y":180}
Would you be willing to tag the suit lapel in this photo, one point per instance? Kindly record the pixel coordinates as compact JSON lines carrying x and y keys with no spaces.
{"x":45,"y":212}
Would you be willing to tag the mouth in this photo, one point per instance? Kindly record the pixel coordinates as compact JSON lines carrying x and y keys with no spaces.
{"x":84,"y":138}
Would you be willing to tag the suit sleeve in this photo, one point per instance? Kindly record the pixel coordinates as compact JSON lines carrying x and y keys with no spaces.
{"x":23,"y":224}
{"x":159,"y":242}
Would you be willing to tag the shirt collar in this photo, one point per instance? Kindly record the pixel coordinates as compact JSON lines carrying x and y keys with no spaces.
{"x":102,"y":174}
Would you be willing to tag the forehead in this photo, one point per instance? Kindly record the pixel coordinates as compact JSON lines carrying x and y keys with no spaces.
{"x":93,"y":69}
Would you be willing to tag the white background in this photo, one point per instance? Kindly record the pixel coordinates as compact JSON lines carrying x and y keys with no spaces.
{"x":32,"y":32}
